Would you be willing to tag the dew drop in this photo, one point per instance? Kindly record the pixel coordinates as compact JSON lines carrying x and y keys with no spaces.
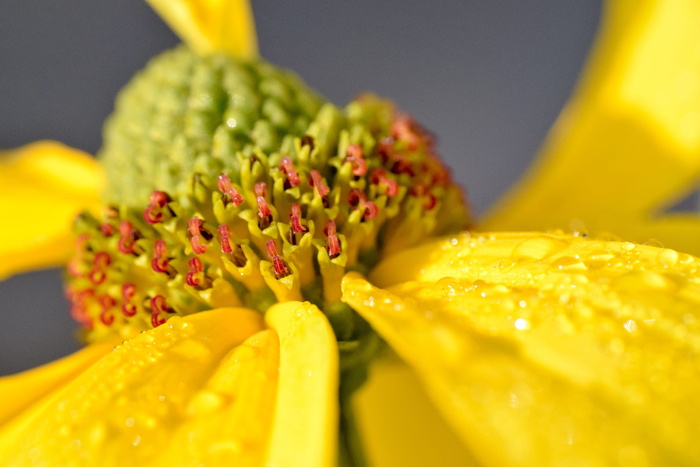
{"x":630,"y":325}
{"x":191,"y":349}
{"x":667,"y":258}
{"x":204,"y":402}
{"x":535,"y":249}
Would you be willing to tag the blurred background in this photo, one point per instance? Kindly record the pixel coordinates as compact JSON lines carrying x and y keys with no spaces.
{"x":487,"y":77}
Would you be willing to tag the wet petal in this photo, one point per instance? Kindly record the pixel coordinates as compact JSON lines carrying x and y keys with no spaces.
{"x":306,"y":419}
{"x":42,"y":187}
{"x":228,"y":421}
{"x":136,"y":400}
{"x":212,"y":25}
{"x":400,"y":425}
{"x":549,"y":349}
{"x":27,"y":387}
{"x":627,"y":147}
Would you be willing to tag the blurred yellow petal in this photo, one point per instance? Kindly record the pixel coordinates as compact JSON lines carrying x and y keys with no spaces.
{"x":228,"y":421}
{"x":305,"y":426}
{"x":212,"y":25}
{"x":549,"y":349}
{"x":42,"y":187}
{"x":627,"y":146}
{"x":135,"y":401}
{"x":25,"y":388}
{"x":399,"y":424}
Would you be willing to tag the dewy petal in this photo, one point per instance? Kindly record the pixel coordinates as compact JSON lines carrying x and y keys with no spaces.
{"x":212,"y":25}
{"x":132,"y":404}
{"x":305,"y":427}
{"x":545,"y":349}
{"x":399,"y":424}
{"x":229,"y":421}
{"x":42,"y":187}
{"x":21,"y":390}
{"x":627,"y":146}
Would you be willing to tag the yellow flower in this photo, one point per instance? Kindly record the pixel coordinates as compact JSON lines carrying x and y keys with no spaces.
{"x":535,"y":348}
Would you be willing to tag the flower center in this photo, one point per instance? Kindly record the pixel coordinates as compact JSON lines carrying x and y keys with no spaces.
{"x":275,"y":205}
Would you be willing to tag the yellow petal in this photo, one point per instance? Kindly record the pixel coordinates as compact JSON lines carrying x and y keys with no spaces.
{"x":131,"y":404}
{"x":627,"y":146}
{"x":228,"y":421}
{"x":212,"y":25}
{"x":549,"y":349}
{"x":42,"y":187}
{"x":25,"y":388}
{"x":399,"y":424}
{"x":305,"y":426}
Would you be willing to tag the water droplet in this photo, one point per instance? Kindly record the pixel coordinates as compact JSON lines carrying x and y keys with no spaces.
{"x":136,"y":441}
{"x":535,"y":249}
{"x":630,"y":325}
{"x":131,"y":421}
{"x":177,"y":323}
{"x":569,"y":263}
{"x":191,"y":349}
{"x":667,"y":258}
{"x":204,"y":402}
{"x":521,"y":324}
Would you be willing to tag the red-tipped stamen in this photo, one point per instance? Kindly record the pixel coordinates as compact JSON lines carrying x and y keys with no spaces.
{"x":159,"y":263}
{"x":333,"y":244}
{"x":357,"y":198}
{"x":157,"y":201}
{"x":317,"y":182}
{"x":295,"y":219}
{"x":156,"y":319}
{"x":404,"y":130}
{"x":380,"y":177}
{"x":78,"y":308}
{"x":195,"y":276}
{"x":420,"y":190}
{"x":128,"y":292}
{"x":106,"y":303}
{"x":355,"y":156}
{"x":386,"y":148}
{"x":264,"y":213}
{"x":225,"y":235}
{"x":160,"y":305}
{"x":402,"y":165}
{"x":101,"y":262}
{"x":287,"y":167}
{"x":196,"y":232}
{"x":107,"y":229}
{"x":127,"y":237}
{"x":281,"y":269}
{"x":226,"y":188}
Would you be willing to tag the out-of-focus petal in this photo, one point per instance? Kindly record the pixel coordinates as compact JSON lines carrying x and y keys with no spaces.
{"x":212,"y":25}
{"x":627,"y":146}
{"x":399,"y":424}
{"x":549,"y":349}
{"x":130,"y":405}
{"x":305,"y":425}
{"x":228,"y":421}
{"x":42,"y":187}
{"x":21,"y":390}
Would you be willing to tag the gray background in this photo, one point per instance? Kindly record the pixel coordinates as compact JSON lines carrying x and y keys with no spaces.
{"x":488,"y":77}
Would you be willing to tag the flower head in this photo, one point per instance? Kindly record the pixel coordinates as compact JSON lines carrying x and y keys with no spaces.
{"x":273,"y":250}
